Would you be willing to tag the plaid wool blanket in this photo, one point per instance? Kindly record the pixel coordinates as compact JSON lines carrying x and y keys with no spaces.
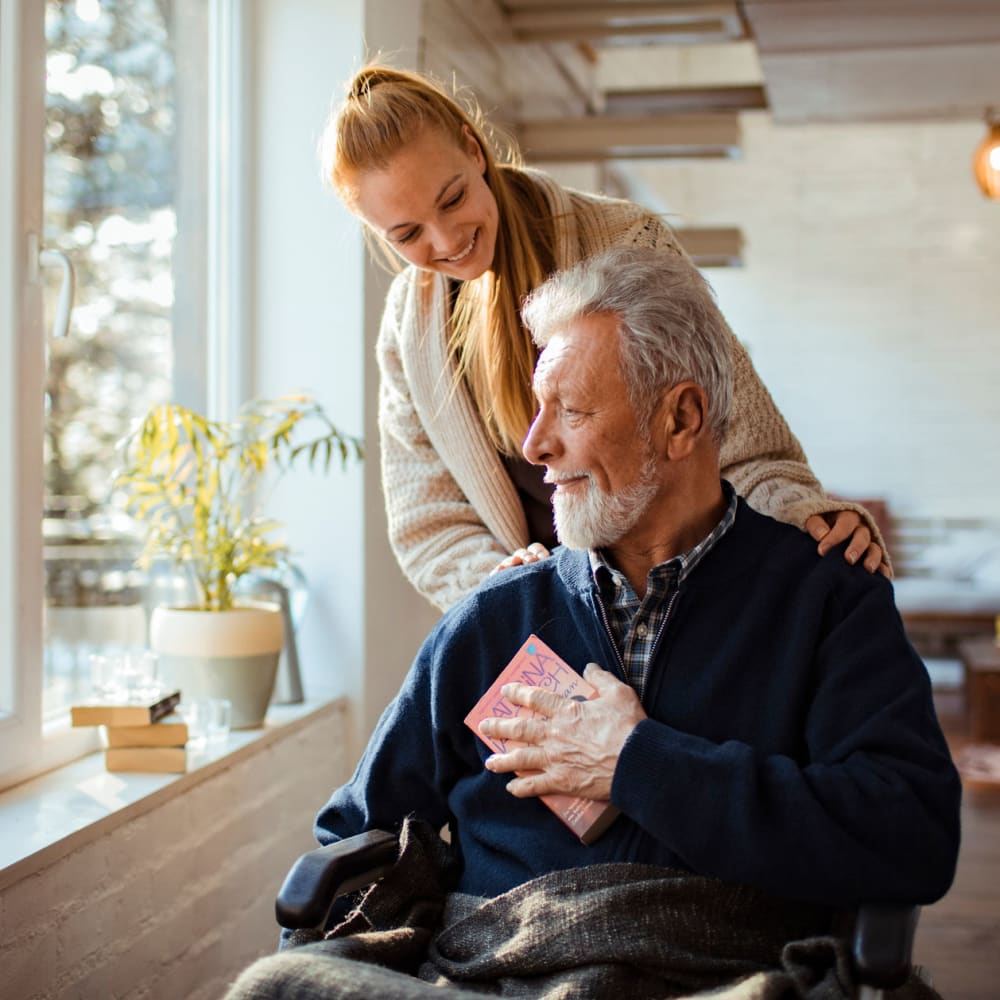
{"x":626,"y":931}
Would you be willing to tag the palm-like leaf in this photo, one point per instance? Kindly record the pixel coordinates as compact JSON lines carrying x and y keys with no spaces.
{"x":193,"y":482}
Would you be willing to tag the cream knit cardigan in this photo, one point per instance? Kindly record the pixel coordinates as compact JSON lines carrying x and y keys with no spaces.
{"x":453,"y":511}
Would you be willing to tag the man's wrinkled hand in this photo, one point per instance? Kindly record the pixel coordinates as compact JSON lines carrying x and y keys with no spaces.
{"x":570,"y":747}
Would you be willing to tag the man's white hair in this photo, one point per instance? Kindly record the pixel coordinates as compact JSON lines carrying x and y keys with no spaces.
{"x":671,"y":329}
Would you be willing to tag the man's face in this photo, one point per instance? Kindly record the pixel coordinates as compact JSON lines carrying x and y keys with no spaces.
{"x":587,"y":436}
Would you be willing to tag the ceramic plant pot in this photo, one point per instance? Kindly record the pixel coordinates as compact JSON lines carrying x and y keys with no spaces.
{"x":221,"y":654}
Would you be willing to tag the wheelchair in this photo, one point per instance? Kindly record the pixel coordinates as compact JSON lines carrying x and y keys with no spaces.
{"x":881,"y":934}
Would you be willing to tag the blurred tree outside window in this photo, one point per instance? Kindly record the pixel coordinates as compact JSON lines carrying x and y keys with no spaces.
{"x":125,"y":182}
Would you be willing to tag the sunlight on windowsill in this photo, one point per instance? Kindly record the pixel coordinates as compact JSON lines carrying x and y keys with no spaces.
{"x":45,"y":818}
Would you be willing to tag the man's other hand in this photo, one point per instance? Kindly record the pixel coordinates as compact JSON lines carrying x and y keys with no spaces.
{"x":573,"y":748}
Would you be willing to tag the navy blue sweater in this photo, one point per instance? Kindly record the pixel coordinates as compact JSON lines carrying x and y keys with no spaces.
{"x":791,"y":741}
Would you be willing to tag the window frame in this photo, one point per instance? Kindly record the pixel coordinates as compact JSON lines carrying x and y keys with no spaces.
{"x":28,"y":745}
{"x":22,"y":106}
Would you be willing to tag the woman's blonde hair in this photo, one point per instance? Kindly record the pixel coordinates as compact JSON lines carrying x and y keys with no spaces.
{"x":385,"y":108}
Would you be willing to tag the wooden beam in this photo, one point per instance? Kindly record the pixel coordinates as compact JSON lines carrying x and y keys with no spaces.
{"x":522,"y":5}
{"x":720,"y":246}
{"x":470,"y":41}
{"x":844,"y":25}
{"x":628,"y":23}
{"x":923,"y":84}
{"x":638,"y":137}
{"x":679,"y":100}
{"x":877,"y":60}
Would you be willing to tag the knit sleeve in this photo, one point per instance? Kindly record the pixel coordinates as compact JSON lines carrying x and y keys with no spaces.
{"x":442,"y":545}
{"x":760,"y":456}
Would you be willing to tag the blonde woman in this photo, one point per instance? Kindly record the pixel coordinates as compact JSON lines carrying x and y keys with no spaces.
{"x":472,"y":237}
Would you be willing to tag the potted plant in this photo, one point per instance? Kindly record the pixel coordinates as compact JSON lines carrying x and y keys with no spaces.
{"x":197,"y":485}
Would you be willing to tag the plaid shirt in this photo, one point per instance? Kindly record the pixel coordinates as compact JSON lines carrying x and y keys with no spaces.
{"x":636,"y":625}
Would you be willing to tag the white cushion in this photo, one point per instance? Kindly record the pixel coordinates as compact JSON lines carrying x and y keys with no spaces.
{"x":929,"y":594}
{"x":960,"y":555}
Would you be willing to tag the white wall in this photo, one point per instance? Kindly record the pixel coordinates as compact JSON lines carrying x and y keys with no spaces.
{"x":317,"y":305}
{"x":870,"y":300}
{"x":308,"y":307}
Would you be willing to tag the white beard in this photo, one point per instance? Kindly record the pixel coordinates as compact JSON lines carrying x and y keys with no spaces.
{"x":597,"y":518}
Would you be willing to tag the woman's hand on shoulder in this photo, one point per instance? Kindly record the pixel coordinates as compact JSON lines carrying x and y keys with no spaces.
{"x":535,"y":552}
{"x":837,"y":526}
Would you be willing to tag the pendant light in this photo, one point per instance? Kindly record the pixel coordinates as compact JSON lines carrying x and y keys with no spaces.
{"x":986,"y":161}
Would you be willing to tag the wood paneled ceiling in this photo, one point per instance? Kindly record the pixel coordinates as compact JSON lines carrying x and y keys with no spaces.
{"x":614,"y":80}
{"x":878,"y":60}
{"x":822,"y":60}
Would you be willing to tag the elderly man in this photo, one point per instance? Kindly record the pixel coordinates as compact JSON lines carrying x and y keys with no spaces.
{"x":760,"y":719}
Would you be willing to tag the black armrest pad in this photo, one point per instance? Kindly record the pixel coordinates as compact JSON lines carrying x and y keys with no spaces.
{"x":320,"y":876}
{"x":883,"y":943}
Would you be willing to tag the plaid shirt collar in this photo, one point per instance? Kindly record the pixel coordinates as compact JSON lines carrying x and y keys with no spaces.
{"x":678,"y":568}
{"x":636,"y":625}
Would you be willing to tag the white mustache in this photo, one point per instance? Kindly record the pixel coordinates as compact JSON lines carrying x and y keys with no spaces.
{"x":555,"y":478}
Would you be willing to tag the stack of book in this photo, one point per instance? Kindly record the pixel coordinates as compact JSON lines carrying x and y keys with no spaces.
{"x":139,"y":737}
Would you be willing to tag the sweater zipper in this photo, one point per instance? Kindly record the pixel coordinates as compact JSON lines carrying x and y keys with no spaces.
{"x":611,"y":637}
{"x":656,"y":638}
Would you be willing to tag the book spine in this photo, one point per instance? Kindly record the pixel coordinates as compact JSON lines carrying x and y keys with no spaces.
{"x":152,"y":760}
{"x":587,"y":818}
{"x":157,"y":734}
{"x":124,"y":714}
{"x":164,"y":707}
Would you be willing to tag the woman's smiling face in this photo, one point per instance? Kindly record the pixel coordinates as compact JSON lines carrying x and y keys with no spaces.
{"x":432,"y":205}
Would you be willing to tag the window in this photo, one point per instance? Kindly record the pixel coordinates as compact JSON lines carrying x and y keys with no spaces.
{"x":106,"y":191}
{"x":114,"y":170}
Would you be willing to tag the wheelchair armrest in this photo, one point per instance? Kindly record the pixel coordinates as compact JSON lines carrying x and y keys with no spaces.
{"x":318,"y":877}
{"x":882,"y":947}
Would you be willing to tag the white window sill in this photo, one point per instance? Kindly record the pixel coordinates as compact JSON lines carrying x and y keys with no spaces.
{"x":47,"y":817}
